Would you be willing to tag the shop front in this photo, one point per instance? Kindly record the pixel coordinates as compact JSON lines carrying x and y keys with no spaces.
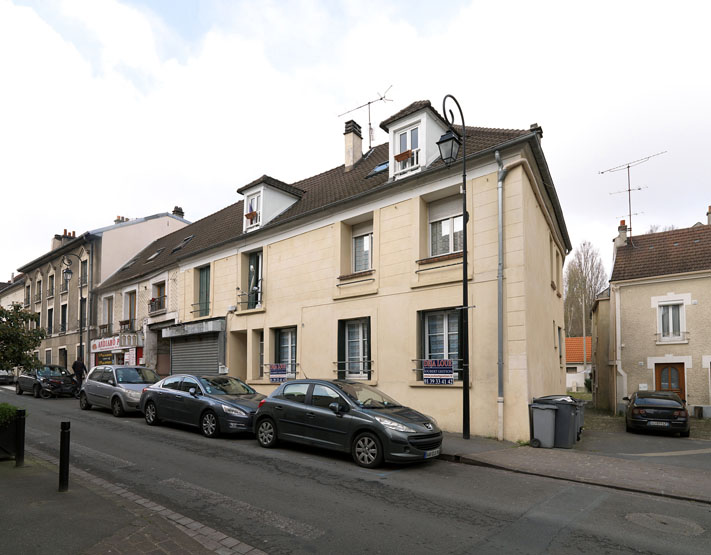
{"x":115,"y":350}
{"x":197,"y":347}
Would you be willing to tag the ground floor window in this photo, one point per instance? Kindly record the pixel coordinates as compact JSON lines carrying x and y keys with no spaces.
{"x":354,"y":349}
{"x":286,"y":350}
{"x":440,"y":338}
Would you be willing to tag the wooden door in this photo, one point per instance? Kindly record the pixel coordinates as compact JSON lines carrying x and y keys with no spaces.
{"x":670,"y":377}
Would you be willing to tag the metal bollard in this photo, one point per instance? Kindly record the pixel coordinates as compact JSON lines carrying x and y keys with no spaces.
{"x":20,"y":437}
{"x":64,"y":457}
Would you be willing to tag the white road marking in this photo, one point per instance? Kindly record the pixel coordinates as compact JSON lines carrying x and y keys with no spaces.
{"x":670,"y":453}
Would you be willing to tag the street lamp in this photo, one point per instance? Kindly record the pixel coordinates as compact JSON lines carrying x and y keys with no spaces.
{"x":67,"y":277}
{"x":449,"y":144}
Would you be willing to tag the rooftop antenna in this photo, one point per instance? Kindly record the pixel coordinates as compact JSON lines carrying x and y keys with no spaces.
{"x":370,"y":127}
{"x":627,"y":166}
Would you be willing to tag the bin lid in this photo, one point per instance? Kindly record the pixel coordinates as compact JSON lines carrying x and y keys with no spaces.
{"x":543,"y":407}
{"x":559,"y":399}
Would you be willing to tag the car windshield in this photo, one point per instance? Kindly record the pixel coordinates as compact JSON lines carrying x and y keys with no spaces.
{"x":367,"y":396}
{"x":136,"y":375}
{"x":51,"y":372}
{"x":225,"y":385}
{"x":665,"y":402}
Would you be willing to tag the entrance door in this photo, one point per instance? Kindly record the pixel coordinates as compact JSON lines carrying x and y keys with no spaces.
{"x":670,"y":377}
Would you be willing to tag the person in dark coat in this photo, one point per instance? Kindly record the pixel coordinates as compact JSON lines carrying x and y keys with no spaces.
{"x":79,"y":370}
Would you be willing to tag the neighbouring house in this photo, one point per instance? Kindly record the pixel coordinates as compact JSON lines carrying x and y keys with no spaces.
{"x":657,"y":316}
{"x":577,"y":362}
{"x":65,"y":301}
{"x":356,"y":272}
{"x":13,"y":291}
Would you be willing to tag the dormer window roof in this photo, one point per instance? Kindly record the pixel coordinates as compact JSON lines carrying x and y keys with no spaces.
{"x":264,"y":199}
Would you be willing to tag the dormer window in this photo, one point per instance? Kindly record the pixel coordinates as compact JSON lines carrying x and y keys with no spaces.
{"x":253,"y":210}
{"x":408,"y":156}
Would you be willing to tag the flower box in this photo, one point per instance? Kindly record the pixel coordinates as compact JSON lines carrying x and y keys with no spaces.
{"x":403,"y":156}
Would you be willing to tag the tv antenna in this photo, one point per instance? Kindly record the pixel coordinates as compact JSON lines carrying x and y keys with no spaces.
{"x":370,"y":127}
{"x":627,"y":166}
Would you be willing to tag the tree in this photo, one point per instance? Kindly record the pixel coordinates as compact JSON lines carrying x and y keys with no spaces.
{"x":585,"y":278}
{"x":18,"y":337}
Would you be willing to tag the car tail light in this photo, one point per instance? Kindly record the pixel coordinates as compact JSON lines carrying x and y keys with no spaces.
{"x":261,"y":403}
{"x":682,"y":413}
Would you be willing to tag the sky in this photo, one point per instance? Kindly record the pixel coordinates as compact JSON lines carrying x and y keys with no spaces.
{"x":128,"y":108}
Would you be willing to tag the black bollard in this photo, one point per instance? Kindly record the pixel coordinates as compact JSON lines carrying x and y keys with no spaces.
{"x":20,"y":437}
{"x":64,"y":457}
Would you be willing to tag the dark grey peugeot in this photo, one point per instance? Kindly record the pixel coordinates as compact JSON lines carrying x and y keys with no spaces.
{"x":348,"y":416}
{"x":214,"y":403}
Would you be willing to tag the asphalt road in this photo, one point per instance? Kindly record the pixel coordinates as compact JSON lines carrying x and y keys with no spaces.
{"x":296,"y":500}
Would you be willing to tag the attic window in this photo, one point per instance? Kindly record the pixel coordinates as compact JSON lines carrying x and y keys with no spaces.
{"x":383,"y":166}
{"x":253,"y":209}
{"x":155,"y":254}
{"x":127,"y":266}
{"x":182,"y":243}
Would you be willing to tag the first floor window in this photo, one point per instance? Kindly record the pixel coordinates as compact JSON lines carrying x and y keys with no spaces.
{"x":48,"y":356}
{"x":446,"y":226}
{"x":363,"y":247}
{"x":50,"y":321}
{"x":670,"y":316}
{"x":441,"y":337}
{"x":354,"y":348}
{"x":286,"y":350}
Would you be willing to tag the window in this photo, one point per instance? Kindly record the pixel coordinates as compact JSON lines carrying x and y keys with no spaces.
{"x":48,"y":356}
{"x":441,"y":337}
{"x":50,"y":321}
{"x":286,"y":350}
{"x":354,"y":349}
{"x":172,"y":383}
{"x":561,"y":345}
{"x":295,"y":392}
{"x":158,"y":300}
{"x":323,"y":396}
{"x":253,"y":208}
{"x":182,"y":243}
{"x":63,"y":319}
{"x":109,"y":314}
{"x":82,"y":313}
{"x":670,"y":321}
{"x":261,"y":354}
{"x":38,"y":291}
{"x":202,"y":307}
{"x":571,"y":370}
{"x":189,"y":383}
{"x":362,"y":247}
{"x":155,"y":254}
{"x":84,"y":273}
{"x":408,"y":157}
{"x":446,"y":226}
{"x":27,"y":295}
{"x":254,"y":280}
{"x":50,"y":286}
{"x":129,"y":311}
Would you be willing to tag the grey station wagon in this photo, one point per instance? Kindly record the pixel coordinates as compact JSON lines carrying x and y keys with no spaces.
{"x":116,"y":387}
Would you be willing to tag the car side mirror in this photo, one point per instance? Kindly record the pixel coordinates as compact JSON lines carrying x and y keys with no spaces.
{"x":111,"y":382}
{"x":338,"y":408}
{"x":193,"y":392}
{"x":625,"y":398}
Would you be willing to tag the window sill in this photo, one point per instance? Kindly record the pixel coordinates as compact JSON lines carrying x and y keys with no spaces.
{"x":355,"y":275}
{"x":261,"y":381}
{"x":246,"y":311}
{"x":440,"y":258}
{"x":673,"y":342}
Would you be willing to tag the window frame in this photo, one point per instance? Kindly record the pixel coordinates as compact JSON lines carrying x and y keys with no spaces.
{"x":292,"y":344}
{"x":413,"y":162}
{"x":344,"y":364}
{"x":249,"y":208}
{"x":448,"y":209}
{"x":425,"y":315}
{"x":681,"y":320}
{"x":369,"y":250}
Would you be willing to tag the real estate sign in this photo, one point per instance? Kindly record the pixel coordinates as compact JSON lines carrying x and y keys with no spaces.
{"x":437,"y":372}
{"x":277,"y":372}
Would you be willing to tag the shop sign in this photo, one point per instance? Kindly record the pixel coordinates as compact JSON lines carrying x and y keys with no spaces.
{"x":104,"y":358}
{"x":105,"y":343}
{"x":277,"y":372}
{"x":437,"y":372}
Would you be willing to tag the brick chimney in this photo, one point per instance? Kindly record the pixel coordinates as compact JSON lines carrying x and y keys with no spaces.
{"x":708,"y":216}
{"x":354,"y":144}
{"x":178,"y":211}
{"x":621,"y":239}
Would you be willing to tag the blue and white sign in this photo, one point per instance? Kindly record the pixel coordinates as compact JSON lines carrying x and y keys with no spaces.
{"x":277,"y":373}
{"x":437,"y":372}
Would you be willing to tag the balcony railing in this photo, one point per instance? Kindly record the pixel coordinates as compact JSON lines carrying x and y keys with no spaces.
{"x":128,"y":325}
{"x":201,"y":309}
{"x":63,"y":327}
{"x":49,"y":329}
{"x":64,"y":287}
{"x":38,"y":297}
{"x":106,"y":330}
{"x":156,"y":304}
{"x":407,"y":163}
{"x":27,"y":301}
{"x":50,"y":292}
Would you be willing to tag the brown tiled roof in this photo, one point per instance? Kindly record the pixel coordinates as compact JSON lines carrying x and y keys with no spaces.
{"x":273,"y":183}
{"x":658,"y":254}
{"x":218,"y":228}
{"x":574,"y":349}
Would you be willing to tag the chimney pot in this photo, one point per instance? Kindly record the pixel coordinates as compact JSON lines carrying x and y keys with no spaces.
{"x":621,"y":239}
{"x":178,"y":211}
{"x":354,"y":144}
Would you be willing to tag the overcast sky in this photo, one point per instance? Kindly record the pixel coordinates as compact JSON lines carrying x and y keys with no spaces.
{"x":132,"y":107}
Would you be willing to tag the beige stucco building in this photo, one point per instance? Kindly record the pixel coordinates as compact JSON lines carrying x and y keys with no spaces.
{"x":656,"y":321}
{"x":357,"y":273}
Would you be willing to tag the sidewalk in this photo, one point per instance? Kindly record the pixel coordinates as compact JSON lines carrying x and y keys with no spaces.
{"x":94,"y":517}
{"x":690,"y":484}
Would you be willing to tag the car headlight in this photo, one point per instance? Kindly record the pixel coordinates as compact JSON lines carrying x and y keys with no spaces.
{"x":432,"y":419}
{"x":392,"y":425}
{"x":133,"y":395}
{"x":233,"y":411}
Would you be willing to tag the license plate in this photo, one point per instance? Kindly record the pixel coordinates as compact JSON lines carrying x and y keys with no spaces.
{"x":432,"y":454}
{"x":657,"y":424}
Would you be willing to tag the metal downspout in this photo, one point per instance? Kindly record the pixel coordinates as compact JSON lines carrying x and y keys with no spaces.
{"x":500,"y":285}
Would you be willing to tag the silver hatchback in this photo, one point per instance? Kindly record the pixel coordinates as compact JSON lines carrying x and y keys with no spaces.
{"x":116,"y":387}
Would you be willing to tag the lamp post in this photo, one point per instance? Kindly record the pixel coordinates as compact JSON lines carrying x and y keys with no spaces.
{"x":68,"y":276}
{"x":449,"y":144}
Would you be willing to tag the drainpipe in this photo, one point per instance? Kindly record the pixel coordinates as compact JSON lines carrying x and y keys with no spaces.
{"x":500,"y":284}
{"x":618,"y":346}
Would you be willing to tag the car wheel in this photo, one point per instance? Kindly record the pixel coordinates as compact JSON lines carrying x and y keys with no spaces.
{"x":685,"y":434}
{"x":84,"y":403}
{"x":45,"y":394}
{"x":151,"y":414}
{"x":535,"y":442}
{"x":18,"y":389}
{"x":367,"y":451}
{"x":629,"y":429}
{"x":36,"y":391}
{"x":117,"y":407}
{"x":209,"y":425}
{"x":267,"y":433}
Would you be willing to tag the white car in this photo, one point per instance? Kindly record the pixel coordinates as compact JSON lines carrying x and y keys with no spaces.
{"x":115,"y":387}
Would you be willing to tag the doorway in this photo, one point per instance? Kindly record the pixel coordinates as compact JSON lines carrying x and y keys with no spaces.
{"x":670,"y":377}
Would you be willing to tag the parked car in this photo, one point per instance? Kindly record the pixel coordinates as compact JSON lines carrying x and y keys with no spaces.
{"x":46,"y":381}
{"x":115,"y":387}
{"x":7,"y":377}
{"x":214,"y":403}
{"x":657,"y":410}
{"x":347,"y":416}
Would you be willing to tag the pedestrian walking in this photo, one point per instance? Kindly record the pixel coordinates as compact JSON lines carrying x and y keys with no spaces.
{"x":79,"y":371}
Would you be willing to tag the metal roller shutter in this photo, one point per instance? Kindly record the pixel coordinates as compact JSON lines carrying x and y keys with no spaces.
{"x":196,"y":354}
